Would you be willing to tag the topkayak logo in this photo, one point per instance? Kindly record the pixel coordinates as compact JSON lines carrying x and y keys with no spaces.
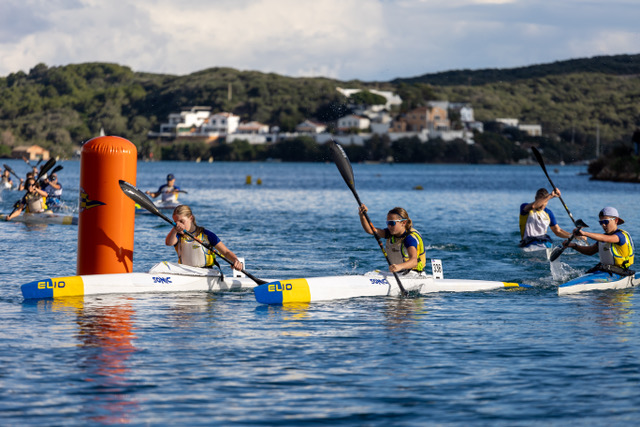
{"x":86,"y":203}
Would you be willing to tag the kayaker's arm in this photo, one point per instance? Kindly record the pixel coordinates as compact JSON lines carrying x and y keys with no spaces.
{"x":412,"y":251}
{"x":606,"y":238}
{"x":560,"y":232}
{"x":226,"y":252}
{"x":541,"y":202}
{"x":586,"y":250}
{"x":172,"y":237}
{"x":365,"y":224}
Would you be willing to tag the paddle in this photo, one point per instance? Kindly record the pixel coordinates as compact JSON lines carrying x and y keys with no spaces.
{"x":579,"y":223}
{"x":56,"y":169}
{"x":11,"y":171}
{"x":544,"y":169}
{"x":141,"y":199}
{"x":344,"y":166}
{"x":558,"y":251}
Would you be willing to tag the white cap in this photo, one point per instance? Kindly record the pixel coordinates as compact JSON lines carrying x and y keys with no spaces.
{"x":609,"y":211}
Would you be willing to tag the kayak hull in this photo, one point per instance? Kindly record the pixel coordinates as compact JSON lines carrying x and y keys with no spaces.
{"x":163,"y":277}
{"x":598,"y":281}
{"x":43,"y":218}
{"x":371,"y":284}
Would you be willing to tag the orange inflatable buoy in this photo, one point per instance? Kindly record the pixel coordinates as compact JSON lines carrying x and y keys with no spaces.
{"x":107,"y":217}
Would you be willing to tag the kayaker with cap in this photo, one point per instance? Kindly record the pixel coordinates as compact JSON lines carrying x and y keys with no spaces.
{"x":536,"y":218}
{"x":404,"y":245}
{"x":191,"y":252}
{"x":34,"y":201}
{"x":614,"y":246}
{"x":168,"y":191}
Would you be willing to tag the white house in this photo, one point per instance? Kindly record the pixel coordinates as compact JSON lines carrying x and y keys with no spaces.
{"x":352,"y":121}
{"x":221,"y":123}
{"x":309,"y":126}
{"x":185,"y":120}
{"x":531,"y":130}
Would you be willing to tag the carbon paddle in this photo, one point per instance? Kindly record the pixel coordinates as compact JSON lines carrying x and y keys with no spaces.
{"x":544,"y":169}
{"x":11,"y":171}
{"x":558,"y":251}
{"x":579,"y":223}
{"x":141,"y":199}
{"x":344,"y":166}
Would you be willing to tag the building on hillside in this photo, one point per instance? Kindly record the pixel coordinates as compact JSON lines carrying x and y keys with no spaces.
{"x":311,"y":127}
{"x":430,"y":118}
{"x":529,"y":129}
{"x":30,"y":152}
{"x":197,"y":123}
{"x":255,"y":133}
{"x":352,"y":121}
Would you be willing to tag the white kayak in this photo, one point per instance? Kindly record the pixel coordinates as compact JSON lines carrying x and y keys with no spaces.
{"x":370,"y":284}
{"x":46,"y":217}
{"x":167,"y":206}
{"x":599,"y":280}
{"x":162,"y":277}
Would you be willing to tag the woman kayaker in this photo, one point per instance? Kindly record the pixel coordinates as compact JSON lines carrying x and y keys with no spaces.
{"x":615,"y":246}
{"x":34,"y":200}
{"x":191,"y":252}
{"x":404,"y":245}
{"x":6,"y":182}
{"x":53,"y":189}
{"x":168,"y":191}
{"x":536,"y":218}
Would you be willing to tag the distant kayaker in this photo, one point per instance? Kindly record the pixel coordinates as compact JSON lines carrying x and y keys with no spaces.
{"x":404,"y":245}
{"x":168,"y":191}
{"x":614,"y":247}
{"x":6,"y":182}
{"x":53,"y":189}
{"x":34,"y":201}
{"x":536,"y":218}
{"x":191,"y":252}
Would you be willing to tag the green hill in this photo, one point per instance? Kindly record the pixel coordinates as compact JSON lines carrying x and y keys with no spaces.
{"x":60,"y":107}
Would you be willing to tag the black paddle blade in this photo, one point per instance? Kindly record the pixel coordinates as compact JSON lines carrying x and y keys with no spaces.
{"x":342,"y":162}
{"x":140,"y":198}
{"x":44,"y":169}
{"x":11,"y":171}
{"x":580,"y":223}
{"x":56,"y":169}
{"x":556,"y":253}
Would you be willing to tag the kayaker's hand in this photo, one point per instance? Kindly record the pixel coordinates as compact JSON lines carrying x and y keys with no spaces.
{"x":179,"y":228}
{"x":394,"y":268}
{"x":582,"y":238}
{"x":578,"y":233}
{"x":555,"y":192}
{"x":237,"y":265}
{"x":362,"y":209}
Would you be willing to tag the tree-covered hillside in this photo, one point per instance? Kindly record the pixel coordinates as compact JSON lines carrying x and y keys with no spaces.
{"x":60,"y":107}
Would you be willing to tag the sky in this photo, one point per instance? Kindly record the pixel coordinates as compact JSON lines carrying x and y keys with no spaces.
{"x":367,"y":40}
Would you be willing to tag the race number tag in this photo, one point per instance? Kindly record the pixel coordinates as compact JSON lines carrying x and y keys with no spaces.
{"x":237,"y":273}
{"x":436,"y":268}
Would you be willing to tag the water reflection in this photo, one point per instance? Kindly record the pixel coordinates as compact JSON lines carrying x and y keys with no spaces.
{"x":105,"y":334}
{"x":400,"y":312}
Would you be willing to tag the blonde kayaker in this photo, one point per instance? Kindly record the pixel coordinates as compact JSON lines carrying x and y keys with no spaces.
{"x":190,"y":252}
{"x":34,"y":201}
{"x":614,"y":246}
{"x":404,"y":245}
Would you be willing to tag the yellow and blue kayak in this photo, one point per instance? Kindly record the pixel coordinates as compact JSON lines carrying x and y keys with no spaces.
{"x":163,"y":277}
{"x":371,"y":284}
{"x":598,"y":281}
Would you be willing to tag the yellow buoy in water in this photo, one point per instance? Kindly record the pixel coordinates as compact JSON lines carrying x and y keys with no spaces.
{"x":418,"y":187}
{"x":248,"y":180}
{"x":259,"y":181}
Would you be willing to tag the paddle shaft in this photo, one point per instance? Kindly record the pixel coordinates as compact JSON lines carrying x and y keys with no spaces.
{"x":344,"y":166}
{"x":140,"y":198}
{"x":558,"y":251}
{"x":11,"y":171}
{"x":544,"y":169}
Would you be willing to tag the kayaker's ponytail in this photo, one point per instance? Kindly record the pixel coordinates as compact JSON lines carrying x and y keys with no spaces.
{"x":408,"y":224}
{"x":184,"y":210}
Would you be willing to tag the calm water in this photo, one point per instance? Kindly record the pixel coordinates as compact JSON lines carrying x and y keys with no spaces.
{"x":493,"y":358}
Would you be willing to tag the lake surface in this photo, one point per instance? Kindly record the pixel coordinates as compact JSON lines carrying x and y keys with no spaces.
{"x":525,"y":357}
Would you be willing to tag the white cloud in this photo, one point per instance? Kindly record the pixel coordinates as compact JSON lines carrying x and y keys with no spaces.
{"x":345,"y":39}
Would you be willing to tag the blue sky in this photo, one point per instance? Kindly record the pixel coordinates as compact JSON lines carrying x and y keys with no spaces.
{"x":369,"y":40}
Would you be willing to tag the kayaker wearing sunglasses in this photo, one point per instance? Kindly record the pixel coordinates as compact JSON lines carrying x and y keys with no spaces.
{"x":615,"y":246}
{"x":34,"y":200}
{"x":404,"y":244}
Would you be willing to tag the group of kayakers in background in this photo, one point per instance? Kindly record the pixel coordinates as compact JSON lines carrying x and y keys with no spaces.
{"x":614,"y":247}
{"x":40,"y":195}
